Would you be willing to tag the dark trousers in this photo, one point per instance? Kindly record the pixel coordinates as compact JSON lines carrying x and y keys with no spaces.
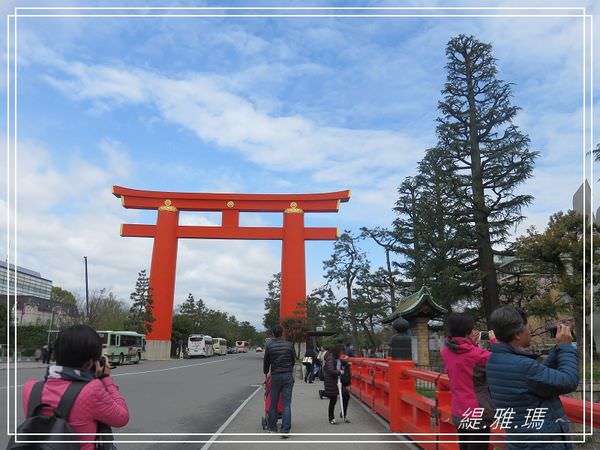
{"x":470,"y":441}
{"x":333,"y":401}
{"x":281,"y":383}
{"x":308,"y":376}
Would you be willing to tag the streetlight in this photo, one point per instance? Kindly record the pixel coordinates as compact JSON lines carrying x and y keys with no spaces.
{"x":87,"y":295}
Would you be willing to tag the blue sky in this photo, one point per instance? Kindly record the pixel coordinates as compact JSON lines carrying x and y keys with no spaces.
{"x":256,"y":105}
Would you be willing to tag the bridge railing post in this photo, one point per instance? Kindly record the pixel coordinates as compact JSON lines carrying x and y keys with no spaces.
{"x":400,"y":383}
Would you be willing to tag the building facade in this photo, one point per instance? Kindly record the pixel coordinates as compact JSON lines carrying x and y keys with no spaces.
{"x":34,"y":304}
{"x":29,"y":282}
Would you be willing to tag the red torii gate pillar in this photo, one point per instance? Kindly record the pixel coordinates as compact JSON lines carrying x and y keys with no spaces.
{"x":293,"y":265}
{"x":167,"y":231}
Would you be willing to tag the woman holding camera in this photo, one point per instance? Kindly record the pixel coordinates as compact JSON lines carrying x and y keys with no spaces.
{"x":78,"y":353}
{"x":465,"y":361}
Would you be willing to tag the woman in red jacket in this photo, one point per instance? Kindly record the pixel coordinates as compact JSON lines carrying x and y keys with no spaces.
{"x":78,"y":351}
{"x":465,"y":361}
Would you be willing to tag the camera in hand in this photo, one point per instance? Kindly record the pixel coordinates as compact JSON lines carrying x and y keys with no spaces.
{"x":485,"y":335}
{"x":552,"y":329}
{"x":102,"y":361}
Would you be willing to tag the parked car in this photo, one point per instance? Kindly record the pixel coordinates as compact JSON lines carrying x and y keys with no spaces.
{"x":259,"y":349}
{"x":231,"y":350}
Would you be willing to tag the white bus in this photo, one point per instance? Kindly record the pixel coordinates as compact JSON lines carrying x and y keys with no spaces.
{"x":200,"y":345}
{"x":242,"y":346}
{"x":121,"y":346}
{"x":220,"y":346}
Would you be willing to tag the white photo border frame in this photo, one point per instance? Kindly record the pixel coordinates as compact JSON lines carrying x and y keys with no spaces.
{"x":586,"y":122}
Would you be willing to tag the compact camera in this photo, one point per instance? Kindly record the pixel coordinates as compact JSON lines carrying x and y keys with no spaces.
{"x":553,"y":328}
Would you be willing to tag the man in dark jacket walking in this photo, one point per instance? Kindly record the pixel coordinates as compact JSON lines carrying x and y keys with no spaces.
{"x":279,"y":359}
{"x":527,"y":391}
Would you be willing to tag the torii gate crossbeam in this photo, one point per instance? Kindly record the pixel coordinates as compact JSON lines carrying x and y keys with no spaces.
{"x":167,"y":231}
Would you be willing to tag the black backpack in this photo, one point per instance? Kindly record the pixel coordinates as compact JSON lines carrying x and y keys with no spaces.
{"x":53,"y":428}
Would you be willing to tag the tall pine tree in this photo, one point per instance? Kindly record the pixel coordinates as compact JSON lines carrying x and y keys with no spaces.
{"x":347,"y":263}
{"x":487,"y":152}
{"x":272,"y":301}
{"x":140,"y":316}
{"x":406,"y":231}
{"x":387,"y":240}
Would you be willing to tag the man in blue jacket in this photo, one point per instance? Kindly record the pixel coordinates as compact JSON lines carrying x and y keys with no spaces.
{"x":526,"y":392}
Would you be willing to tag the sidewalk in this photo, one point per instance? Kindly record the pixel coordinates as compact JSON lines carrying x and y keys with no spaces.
{"x":309,"y":415}
{"x":24,"y":365}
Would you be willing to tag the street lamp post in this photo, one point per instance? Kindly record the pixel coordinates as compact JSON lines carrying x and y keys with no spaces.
{"x":51,"y":325}
{"x":87,"y":295}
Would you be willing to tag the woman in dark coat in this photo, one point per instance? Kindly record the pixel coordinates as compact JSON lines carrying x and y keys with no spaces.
{"x":333,"y":368}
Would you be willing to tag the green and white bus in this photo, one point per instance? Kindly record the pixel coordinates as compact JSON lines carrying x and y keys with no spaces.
{"x":121,"y":346}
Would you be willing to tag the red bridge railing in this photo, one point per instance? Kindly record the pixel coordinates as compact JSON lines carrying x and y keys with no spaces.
{"x":388,"y":387}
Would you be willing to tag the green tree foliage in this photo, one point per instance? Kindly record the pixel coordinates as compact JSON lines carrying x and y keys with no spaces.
{"x":62,"y":295}
{"x":436,"y":241}
{"x":272,"y":301}
{"x":182,"y":327}
{"x":140,"y":316}
{"x":31,"y":337}
{"x":386,"y":276}
{"x":347,"y":263}
{"x":195,"y":318}
{"x":370,"y":305}
{"x":485,"y":150}
{"x":556,"y":258}
{"x":406,"y":231}
{"x":106,"y":311}
{"x":332,"y":312}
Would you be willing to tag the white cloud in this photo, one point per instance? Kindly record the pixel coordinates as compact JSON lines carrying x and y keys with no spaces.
{"x":201,"y":104}
{"x":64,"y":215}
{"x":118,"y":161}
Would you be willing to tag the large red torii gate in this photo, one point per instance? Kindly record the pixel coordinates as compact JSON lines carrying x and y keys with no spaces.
{"x":167,"y":231}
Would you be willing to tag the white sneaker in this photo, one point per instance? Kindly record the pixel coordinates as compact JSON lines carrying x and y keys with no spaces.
{"x":333,"y":422}
{"x":346,"y":420}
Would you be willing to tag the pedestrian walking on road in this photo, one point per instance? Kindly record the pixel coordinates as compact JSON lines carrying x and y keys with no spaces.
{"x":98,"y":404}
{"x":321,"y":359}
{"x":279,"y":359}
{"x":308,"y":362}
{"x":334,"y":369}
{"x":45,"y":355}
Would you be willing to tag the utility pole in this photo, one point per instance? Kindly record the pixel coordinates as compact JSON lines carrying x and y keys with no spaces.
{"x":87,"y":294}
{"x":50,"y":328}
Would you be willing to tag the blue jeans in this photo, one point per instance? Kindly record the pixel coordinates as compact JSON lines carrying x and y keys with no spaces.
{"x":281,"y":383}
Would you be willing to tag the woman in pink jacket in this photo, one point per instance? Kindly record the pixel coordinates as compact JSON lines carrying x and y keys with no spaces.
{"x":78,"y":351}
{"x":465,"y":361}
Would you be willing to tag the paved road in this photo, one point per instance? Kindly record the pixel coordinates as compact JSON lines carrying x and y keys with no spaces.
{"x":178,"y":396}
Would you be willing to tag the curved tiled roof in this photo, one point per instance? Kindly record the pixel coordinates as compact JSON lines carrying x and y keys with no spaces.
{"x":416,"y":303}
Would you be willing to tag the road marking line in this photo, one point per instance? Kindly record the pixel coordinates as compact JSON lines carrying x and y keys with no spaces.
{"x":153,"y":371}
{"x":6,"y":387}
{"x":173,"y":368}
{"x":228,"y":421}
